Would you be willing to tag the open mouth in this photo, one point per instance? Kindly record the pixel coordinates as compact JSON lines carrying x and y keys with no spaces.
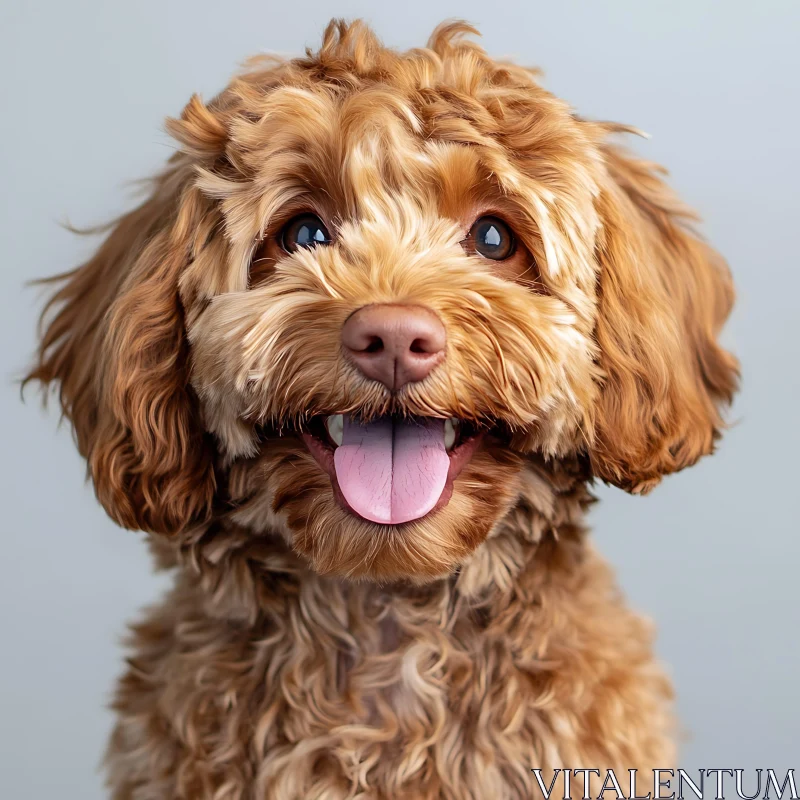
{"x":392,"y":469}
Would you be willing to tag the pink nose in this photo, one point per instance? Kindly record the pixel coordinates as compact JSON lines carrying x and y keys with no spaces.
{"x":394,"y":344}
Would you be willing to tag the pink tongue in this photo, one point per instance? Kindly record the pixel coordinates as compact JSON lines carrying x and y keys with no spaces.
{"x":392,"y":470}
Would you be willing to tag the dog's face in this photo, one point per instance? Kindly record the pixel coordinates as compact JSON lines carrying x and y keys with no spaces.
{"x":386,"y":321}
{"x":369,"y":288}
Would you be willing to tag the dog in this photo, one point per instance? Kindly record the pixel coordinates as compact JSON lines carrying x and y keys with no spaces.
{"x":354,"y":363}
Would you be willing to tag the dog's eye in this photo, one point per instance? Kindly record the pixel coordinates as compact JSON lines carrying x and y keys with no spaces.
{"x":492,"y":238}
{"x":306,"y":230}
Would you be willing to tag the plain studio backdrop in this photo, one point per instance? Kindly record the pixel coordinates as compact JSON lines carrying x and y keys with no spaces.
{"x":712,"y":555}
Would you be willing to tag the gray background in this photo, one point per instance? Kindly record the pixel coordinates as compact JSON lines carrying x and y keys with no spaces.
{"x":712,"y":555}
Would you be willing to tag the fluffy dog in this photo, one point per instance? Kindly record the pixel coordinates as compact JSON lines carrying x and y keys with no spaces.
{"x":353,"y":364}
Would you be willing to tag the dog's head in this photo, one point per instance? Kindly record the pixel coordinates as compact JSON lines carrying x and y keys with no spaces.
{"x":368,"y":288}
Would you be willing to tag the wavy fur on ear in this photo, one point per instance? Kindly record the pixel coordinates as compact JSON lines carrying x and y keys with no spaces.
{"x":112,"y":337}
{"x":663,"y":296}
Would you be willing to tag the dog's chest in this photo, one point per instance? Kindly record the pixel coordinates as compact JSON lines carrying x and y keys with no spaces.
{"x":342,"y":693}
{"x":401,"y":706}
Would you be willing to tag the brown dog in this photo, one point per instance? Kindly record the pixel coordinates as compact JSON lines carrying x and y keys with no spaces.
{"x":353,"y":364}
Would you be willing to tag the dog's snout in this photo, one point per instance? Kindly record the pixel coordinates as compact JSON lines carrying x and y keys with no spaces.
{"x":394,"y":344}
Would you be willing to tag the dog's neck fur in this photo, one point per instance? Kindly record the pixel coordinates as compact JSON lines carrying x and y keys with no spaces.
{"x":257,"y":669}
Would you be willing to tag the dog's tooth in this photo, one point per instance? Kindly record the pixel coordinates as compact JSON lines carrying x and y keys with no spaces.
{"x":449,"y":434}
{"x":335,"y":426}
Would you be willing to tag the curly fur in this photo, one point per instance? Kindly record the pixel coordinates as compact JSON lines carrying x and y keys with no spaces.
{"x":305,"y":652}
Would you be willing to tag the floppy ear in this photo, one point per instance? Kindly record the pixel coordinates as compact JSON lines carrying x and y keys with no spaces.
{"x":113,"y":339}
{"x":663,"y":297}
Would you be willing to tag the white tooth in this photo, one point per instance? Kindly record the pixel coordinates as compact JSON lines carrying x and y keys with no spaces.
{"x":335,"y":426}
{"x":449,"y":433}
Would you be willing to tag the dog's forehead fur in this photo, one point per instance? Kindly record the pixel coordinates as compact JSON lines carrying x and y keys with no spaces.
{"x":367,"y":133}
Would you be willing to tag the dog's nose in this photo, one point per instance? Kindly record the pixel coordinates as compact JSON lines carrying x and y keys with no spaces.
{"x":394,"y":344}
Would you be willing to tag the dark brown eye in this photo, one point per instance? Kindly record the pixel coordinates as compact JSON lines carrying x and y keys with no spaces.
{"x":307,"y":230}
{"x":492,"y":238}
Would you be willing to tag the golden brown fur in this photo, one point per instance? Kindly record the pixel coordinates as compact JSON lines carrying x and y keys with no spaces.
{"x":305,"y":652}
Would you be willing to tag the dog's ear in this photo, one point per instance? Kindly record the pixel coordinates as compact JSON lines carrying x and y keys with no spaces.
{"x":113,"y":339}
{"x":663,"y":297}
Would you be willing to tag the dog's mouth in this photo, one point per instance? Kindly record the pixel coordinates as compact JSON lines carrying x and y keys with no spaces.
{"x":391,"y":469}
